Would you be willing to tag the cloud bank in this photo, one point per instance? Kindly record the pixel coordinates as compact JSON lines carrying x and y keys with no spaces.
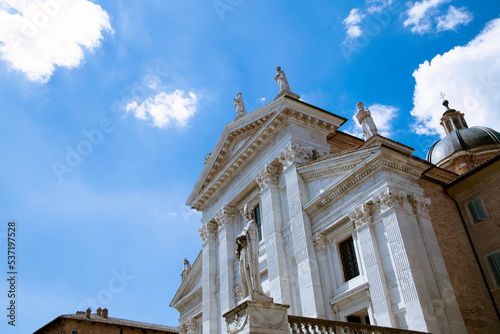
{"x":36,"y":36}
{"x":469,"y":76}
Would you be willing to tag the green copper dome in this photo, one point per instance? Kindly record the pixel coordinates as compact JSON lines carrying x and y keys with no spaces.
{"x":462,"y":139}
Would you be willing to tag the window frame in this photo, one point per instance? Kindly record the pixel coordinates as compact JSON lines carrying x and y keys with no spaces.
{"x":493,"y":259}
{"x":471,"y":209}
{"x":353,"y":254}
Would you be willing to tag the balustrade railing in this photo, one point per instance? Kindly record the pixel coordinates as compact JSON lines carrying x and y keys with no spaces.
{"x":302,"y":325}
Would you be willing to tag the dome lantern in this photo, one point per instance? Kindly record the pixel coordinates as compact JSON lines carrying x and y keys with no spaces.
{"x":452,"y":119}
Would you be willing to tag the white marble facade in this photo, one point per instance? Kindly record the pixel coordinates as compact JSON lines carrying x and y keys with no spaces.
{"x":278,"y":157}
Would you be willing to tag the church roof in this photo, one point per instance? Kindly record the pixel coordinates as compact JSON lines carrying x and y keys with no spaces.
{"x":462,"y":139}
{"x":94,"y":318}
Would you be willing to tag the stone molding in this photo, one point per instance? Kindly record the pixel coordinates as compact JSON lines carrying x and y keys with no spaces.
{"x":336,"y":190}
{"x":208,"y":231}
{"x":330,"y":171}
{"x":296,"y":153}
{"x":267,"y":175}
{"x":224,"y":216}
{"x":319,"y":242}
{"x":388,"y":199}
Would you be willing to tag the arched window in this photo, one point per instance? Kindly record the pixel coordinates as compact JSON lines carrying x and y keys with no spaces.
{"x":448,"y":125}
{"x":464,"y":123}
{"x":457,"y":123}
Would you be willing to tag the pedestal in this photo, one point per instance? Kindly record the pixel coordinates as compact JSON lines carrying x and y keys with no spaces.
{"x":257,"y":316}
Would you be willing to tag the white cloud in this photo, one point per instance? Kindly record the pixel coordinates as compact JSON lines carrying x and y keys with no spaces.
{"x":420,"y":15}
{"x":453,"y":18}
{"x":351,"y":23}
{"x":166,"y":109}
{"x":262,"y":99}
{"x":38,"y":35}
{"x":468,"y":75}
{"x":382,"y":115}
{"x":375,"y":6}
{"x":424,"y":17}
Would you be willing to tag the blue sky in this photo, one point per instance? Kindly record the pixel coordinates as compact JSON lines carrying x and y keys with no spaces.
{"x":107,"y":109}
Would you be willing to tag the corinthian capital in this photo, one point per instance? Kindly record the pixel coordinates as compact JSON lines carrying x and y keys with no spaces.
{"x":294,"y":152}
{"x":224,"y":215}
{"x":267,"y":175}
{"x":419,"y":204}
{"x":208,"y":230}
{"x":392,"y":198}
{"x":361,"y":215}
{"x":319,"y":242}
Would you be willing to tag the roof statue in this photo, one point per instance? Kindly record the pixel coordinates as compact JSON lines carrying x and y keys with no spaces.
{"x":364,"y":117}
{"x":239,"y":105}
{"x":187,"y":269}
{"x":247,"y":252}
{"x":280,"y":78}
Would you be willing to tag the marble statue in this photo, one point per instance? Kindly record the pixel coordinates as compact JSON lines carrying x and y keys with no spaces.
{"x":247,"y":252}
{"x":187,"y":268}
{"x":364,"y":117}
{"x":239,"y":105}
{"x":280,"y":77}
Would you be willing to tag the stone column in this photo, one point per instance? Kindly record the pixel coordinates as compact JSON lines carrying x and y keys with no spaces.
{"x":272,"y":225}
{"x":209,"y":257}
{"x":224,"y":219}
{"x":379,"y":292}
{"x":402,"y":246}
{"x":311,"y":297}
{"x":320,"y":244}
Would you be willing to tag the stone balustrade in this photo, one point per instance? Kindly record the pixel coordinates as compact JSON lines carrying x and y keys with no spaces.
{"x":302,"y":325}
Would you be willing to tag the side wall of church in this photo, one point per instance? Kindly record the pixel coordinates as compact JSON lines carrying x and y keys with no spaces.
{"x":463,"y":270}
{"x":487,"y":190}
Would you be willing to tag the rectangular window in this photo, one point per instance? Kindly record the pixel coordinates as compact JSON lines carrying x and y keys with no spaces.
{"x":74,"y":332}
{"x":348,"y":256}
{"x":494,"y":261}
{"x":256,"y":214}
{"x":477,"y":211}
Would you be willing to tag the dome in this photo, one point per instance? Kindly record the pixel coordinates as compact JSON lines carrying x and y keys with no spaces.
{"x":462,"y":139}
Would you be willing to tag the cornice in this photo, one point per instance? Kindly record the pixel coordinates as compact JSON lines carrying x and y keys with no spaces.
{"x":190,"y":281}
{"x":357,"y":174}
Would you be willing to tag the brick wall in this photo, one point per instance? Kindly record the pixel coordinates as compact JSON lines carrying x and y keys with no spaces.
{"x":470,"y":290}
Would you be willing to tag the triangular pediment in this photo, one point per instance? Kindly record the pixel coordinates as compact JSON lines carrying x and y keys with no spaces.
{"x":190,"y":284}
{"x":243,"y":137}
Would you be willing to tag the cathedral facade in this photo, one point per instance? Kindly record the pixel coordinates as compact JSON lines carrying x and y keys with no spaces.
{"x":349,"y":229}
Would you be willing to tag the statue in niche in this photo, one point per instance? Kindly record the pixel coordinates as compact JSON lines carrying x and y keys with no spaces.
{"x":280,"y":78}
{"x":247,"y":252}
{"x":239,"y":105}
{"x":364,"y":117}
